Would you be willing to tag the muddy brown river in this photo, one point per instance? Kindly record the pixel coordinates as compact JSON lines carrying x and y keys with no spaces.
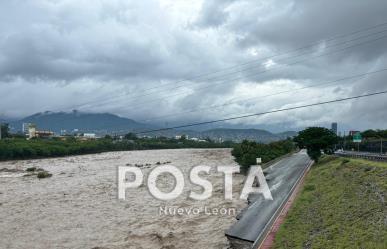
{"x":78,"y":206}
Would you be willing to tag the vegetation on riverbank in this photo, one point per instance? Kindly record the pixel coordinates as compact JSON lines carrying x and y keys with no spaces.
{"x":342,"y":205}
{"x":18,"y":148}
{"x":315,"y":140}
{"x":247,"y":152}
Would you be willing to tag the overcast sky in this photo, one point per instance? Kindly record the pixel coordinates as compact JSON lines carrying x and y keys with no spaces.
{"x":146,"y":59}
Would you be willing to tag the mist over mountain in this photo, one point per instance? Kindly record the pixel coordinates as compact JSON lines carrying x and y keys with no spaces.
{"x":107,"y":123}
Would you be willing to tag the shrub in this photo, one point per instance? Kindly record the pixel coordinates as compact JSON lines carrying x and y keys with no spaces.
{"x":246,"y":153}
{"x":43,"y":174}
{"x":344,"y":161}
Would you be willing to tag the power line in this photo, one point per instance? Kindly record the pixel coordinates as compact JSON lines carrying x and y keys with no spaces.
{"x":141,"y":104}
{"x":253,"y":61}
{"x":277,"y":55}
{"x":267,"y":112}
{"x":273,"y":56}
{"x":247,"y":69}
{"x":227,"y":103}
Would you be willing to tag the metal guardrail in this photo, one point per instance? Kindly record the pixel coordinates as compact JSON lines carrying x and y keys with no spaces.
{"x":363,"y":155}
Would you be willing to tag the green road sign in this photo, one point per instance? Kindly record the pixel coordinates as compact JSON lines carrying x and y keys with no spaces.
{"x":357,"y":138}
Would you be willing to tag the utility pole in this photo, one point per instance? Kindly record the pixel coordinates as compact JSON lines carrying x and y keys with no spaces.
{"x":381,"y":146}
{"x":0,"y":131}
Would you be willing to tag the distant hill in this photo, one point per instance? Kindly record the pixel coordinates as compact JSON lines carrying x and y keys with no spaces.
{"x":4,"y":119}
{"x":286,"y":134}
{"x":107,"y":123}
{"x":230,"y":134}
{"x":239,"y":135}
{"x":101,"y":123}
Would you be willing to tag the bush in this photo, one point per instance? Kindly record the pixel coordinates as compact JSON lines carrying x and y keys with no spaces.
{"x":344,"y":161}
{"x":247,"y":152}
{"x":43,"y":174}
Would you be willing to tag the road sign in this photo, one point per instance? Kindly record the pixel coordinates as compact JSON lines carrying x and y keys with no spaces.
{"x":357,"y":138}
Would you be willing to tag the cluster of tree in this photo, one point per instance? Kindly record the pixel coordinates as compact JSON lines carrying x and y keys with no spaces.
{"x":247,"y":152}
{"x":372,"y":141}
{"x":17,"y":148}
{"x":376,"y":134}
{"x":315,"y":140}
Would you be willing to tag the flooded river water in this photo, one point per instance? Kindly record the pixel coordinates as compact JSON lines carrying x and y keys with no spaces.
{"x":78,"y":206}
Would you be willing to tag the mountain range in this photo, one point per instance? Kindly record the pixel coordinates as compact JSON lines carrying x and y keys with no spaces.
{"x":107,"y":123}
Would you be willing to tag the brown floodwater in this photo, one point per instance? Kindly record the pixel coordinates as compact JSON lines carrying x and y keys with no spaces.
{"x":78,"y":206}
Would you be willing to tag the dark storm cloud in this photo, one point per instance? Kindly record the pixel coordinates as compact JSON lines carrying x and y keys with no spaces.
{"x":101,"y":55}
{"x":213,"y":13}
{"x":282,"y":26}
{"x":65,"y":41}
{"x":293,"y":23}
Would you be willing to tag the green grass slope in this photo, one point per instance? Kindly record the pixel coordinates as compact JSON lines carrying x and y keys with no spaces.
{"x":342,"y":205}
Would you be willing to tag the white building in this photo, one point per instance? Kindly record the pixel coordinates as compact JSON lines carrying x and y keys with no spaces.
{"x":25,"y":127}
{"x":89,"y":135}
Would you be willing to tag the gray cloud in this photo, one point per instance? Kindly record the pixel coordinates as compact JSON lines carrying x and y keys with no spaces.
{"x":73,"y":41}
{"x":100,"y":56}
{"x":213,"y":13}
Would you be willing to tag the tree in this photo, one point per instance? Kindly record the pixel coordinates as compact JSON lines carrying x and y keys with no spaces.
{"x":4,"y":130}
{"x":374,"y":134}
{"x":370,"y":134}
{"x":316,"y":139}
{"x":130,"y":136}
{"x":247,"y":152}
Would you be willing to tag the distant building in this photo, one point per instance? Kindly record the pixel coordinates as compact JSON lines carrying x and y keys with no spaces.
{"x":25,"y":127}
{"x":181,"y":137}
{"x":334,"y":128}
{"x":89,"y":135}
{"x":44,"y":134}
{"x":33,"y":133}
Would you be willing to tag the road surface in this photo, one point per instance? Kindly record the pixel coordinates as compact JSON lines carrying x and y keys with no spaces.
{"x":257,"y":217}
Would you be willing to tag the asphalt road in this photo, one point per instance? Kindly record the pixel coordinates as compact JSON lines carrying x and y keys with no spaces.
{"x":281,"y":177}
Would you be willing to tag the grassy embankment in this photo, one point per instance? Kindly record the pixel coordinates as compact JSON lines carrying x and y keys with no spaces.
{"x":342,"y":205}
